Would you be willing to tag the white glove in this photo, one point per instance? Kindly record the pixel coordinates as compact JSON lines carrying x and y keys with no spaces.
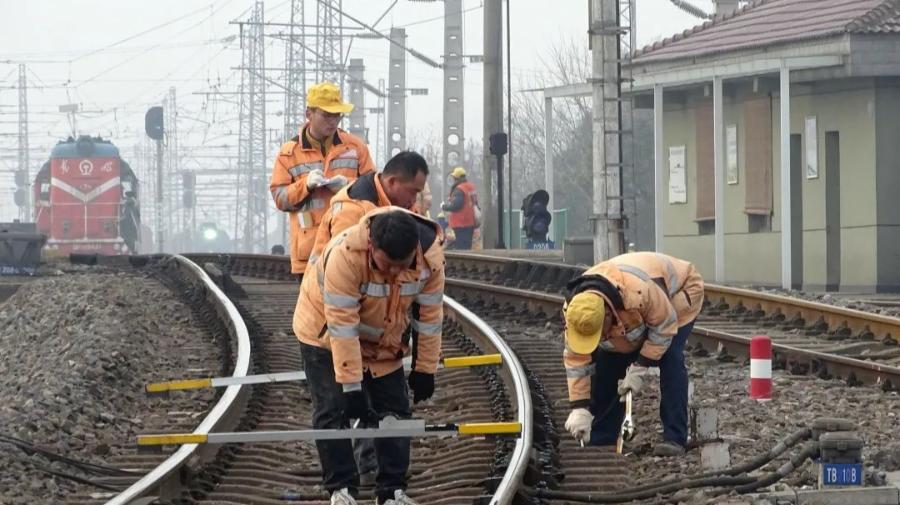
{"x":337,"y":182}
{"x":633,"y":381}
{"x":579,"y":424}
{"x":314,"y":179}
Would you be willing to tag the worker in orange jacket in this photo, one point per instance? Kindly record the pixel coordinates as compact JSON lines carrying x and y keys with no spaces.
{"x":400,"y":184}
{"x":313,"y":166}
{"x":465,"y":215}
{"x":350,"y":318}
{"x":624,"y":316}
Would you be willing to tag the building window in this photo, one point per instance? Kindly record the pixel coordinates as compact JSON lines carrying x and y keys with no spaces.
{"x":706,"y":227}
{"x":759,"y":223}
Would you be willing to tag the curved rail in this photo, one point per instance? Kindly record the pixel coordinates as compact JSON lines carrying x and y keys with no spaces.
{"x":165,"y":478}
{"x":518,"y":463}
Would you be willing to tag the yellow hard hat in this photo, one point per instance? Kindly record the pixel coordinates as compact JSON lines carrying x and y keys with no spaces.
{"x":327,"y":96}
{"x":458,"y":172}
{"x":584,"y":322}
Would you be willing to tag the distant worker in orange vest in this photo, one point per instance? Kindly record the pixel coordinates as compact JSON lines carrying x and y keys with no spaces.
{"x":465,"y":215}
{"x":313,"y":166}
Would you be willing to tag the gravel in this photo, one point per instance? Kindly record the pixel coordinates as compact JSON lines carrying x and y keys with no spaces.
{"x":76,"y":350}
{"x":751,"y":428}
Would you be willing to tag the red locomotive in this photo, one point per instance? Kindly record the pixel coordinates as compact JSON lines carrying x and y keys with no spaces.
{"x":86,"y":199}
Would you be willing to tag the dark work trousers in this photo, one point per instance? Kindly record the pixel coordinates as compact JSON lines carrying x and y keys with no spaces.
{"x":463,"y":238}
{"x":609,"y":412}
{"x":387,"y":395}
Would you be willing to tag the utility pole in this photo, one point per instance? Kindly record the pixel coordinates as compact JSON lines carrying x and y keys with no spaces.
{"x":493,"y":111}
{"x":330,"y":43}
{"x":173,"y":209}
{"x":454,"y":139}
{"x":381,"y":126}
{"x":397,"y":93}
{"x":357,"y":94}
{"x":295,"y":96}
{"x":606,"y":111}
{"x":252,"y":194}
{"x":24,"y":173}
{"x":160,"y":221}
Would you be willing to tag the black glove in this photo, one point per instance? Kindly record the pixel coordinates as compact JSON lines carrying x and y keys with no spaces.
{"x":422,"y":385}
{"x":356,"y":406}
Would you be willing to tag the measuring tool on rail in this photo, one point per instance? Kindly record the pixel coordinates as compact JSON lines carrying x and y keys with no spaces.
{"x":389,"y":427}
{"x":163,"y":388}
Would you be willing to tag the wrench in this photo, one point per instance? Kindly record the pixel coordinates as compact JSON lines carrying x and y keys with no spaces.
{"x":626,"y":434}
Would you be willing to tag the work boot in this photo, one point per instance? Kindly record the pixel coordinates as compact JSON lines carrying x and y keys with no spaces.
{"x":667,"y":449}
{"x":400,"y":498}
{"x":342,"y":497}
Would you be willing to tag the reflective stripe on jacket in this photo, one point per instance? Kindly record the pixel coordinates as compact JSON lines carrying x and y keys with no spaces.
{"x":360,"y":313}
{"x":465,"y":216}
{"x":348,"y":156}
{"x":658,"y":294}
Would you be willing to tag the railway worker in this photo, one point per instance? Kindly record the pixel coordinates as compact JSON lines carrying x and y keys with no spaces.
{"x":400,"y":184}
{"x":624,"y":316}
{"x":313,"y":166}
{"x":463,"y":209}
{"x":352,"y":311}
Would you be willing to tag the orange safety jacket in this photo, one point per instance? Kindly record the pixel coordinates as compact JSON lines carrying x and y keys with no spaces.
{"x":348,"y":156}
{"x":464,"y":217}
{"x":361,"y":313}
{"x":348,"y":206}
{"x":651,"y":295}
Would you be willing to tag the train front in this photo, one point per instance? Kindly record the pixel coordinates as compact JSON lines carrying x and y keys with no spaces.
{"x":83,"y":198}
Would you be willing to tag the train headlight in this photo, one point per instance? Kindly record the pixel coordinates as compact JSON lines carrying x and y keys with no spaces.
{"x":210,"y":234}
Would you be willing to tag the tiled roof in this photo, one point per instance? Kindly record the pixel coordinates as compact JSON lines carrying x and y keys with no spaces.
{"x":767,"y":22}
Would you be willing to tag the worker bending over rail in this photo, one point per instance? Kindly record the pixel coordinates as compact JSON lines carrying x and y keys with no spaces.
{"x":624,"y":316}
{"x":350,"y":319}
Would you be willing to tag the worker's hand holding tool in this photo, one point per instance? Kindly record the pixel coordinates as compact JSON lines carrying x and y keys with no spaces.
{"x":633,"y":381}
{"x":356,"y":406}
{"x":579,"y":424}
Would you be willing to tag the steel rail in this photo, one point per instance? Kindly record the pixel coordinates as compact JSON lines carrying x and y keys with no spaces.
{"x":165,"y":479}
{"x":863,"y":324}
{"x":789,"y":356}
{"x":514,"y":375}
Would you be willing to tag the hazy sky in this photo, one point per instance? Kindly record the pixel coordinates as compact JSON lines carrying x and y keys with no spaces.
{"x":116,"y":58}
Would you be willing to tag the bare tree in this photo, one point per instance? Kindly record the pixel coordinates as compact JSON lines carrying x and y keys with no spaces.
{"x":568,"y":63}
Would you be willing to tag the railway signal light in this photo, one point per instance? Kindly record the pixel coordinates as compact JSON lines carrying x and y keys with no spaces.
{"x":153,"y":123}
{"x":536,"y":219}
{"x":498,"y":144}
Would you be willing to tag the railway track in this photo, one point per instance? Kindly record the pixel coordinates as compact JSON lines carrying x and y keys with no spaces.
{"x":444,"y":471}
{"x":529,"y":321}
{"x":826,"y":340}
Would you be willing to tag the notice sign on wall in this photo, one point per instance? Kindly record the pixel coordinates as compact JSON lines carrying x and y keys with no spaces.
{"x":677,"y":175}
{"x":731,"y":154}
{"x":812,"y":148}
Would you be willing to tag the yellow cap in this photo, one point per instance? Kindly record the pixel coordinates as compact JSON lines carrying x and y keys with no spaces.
{"x":327,"y":96}
{"x":458,"y":172}
{"x":584,"y":322}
